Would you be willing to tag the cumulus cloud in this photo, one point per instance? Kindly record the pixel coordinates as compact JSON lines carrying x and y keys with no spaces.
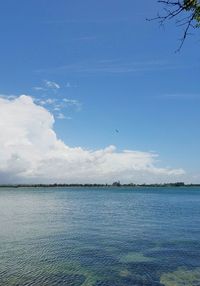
{"x":31,"y":152}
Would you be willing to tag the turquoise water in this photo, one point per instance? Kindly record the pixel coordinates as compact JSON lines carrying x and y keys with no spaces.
{"x":100,"y":237}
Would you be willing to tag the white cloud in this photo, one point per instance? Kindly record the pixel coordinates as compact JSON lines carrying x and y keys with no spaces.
{"x":31,"y":152}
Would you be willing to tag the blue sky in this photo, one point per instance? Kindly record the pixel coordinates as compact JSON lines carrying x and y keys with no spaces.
{"x":114,"y":69}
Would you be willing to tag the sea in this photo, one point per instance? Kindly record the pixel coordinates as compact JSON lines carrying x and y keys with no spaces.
{"x":100,"y":236}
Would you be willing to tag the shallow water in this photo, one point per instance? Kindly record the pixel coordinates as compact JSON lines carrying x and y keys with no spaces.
{"x":100,"y":237}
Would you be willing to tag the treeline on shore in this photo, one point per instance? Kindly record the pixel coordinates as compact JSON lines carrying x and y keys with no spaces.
{"x":115,"y":184}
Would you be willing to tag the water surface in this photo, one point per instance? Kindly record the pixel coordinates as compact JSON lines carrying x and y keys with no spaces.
{"x":100,"y":237}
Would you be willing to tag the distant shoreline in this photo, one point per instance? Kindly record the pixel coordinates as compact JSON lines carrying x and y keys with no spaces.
{"x":114,"y":185}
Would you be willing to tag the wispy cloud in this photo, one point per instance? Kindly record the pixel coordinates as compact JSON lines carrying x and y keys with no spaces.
{"x":62,"y":116}
{"x":52,"y":84}
{"x":59,"y":106}
{"x":85,"y":38}
{"x":113,"y":67}
{"x":93,"y":21}
{"x":72,"y":102}
{"x":47,"y":101}
{"x":8,"y":96}
{"x":70,"y":85}
{"x":51,"y":96}
{"x":39,"y":88}
{"x":180,"y":96}
{"x":47,"y":85}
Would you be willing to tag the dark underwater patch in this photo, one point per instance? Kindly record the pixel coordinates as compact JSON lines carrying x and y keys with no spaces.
{"x":96,"y":258}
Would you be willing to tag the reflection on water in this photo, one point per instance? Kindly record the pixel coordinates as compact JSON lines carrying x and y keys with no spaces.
{"x":100,"y":237}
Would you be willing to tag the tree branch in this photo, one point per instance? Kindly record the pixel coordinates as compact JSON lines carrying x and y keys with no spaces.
{"x":175,"y":9}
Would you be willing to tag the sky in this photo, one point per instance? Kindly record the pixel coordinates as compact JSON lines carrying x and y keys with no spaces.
{"x":92,"y":92}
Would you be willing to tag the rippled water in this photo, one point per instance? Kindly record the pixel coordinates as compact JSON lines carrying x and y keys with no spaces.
{"x":100,"y":237}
